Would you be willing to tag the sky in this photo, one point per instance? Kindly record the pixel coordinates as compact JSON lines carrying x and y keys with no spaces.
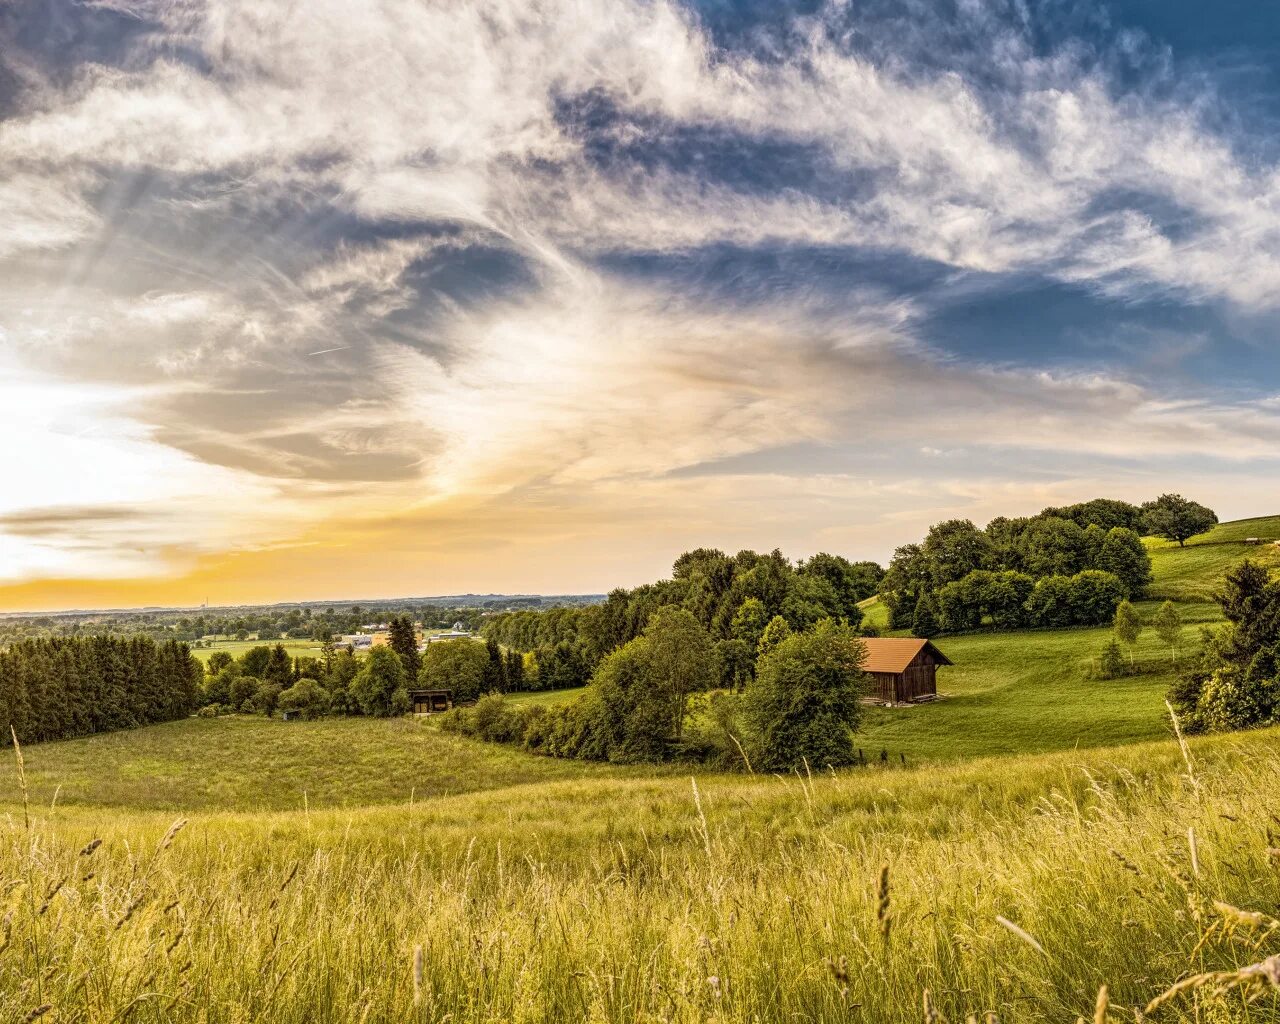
{"x":409,"y":297}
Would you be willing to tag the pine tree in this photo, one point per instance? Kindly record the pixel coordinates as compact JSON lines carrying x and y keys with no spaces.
{"x":925,"y":621}
{"x":403,"y":639}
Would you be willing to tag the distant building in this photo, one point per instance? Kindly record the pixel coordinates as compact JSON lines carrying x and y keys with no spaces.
{"x":359,"y":641}
{"x":454,"y":635}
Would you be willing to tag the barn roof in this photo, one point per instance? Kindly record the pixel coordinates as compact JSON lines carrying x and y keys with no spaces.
{"x":894,"y":654}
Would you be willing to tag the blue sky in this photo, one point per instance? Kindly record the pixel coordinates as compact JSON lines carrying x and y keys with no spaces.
{"x":440,"y":297}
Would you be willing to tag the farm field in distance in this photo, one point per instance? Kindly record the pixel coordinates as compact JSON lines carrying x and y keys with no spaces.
{"x":1047,"y":836}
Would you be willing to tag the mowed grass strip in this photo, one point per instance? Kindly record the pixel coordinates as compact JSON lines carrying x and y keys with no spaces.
{"x":1017,"y":886}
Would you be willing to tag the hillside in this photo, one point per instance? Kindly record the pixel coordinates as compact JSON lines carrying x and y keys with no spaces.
{"x":1017,"y":886}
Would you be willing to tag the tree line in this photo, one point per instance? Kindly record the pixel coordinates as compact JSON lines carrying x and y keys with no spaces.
{"x":1068,"y":566}
{"x":265,"y":679}
{"x":58,"y":688}
{"x":733,"y":598}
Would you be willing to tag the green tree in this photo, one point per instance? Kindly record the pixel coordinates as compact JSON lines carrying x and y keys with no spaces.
{"x":774,"y":633}
{"x":495,"y":670}
{"x":1128,"y":626}
{"x":403,"y":639}
{"x":305,"y":696}
{"x":254,"y":661}
{"x":954,"y":549}
{"x":279,"y":668}
{"x":680,"y":659}
{"x":805,"y":701}
{"x":218,"y":661}
{"x":749,"y":622}
{"x":457,"y":665}
{"x":1111,"y":663}
{"x":735,"y":664}
{"x":1168,"y":626}
{"x":1173,"y":517}
{"x":925,"y":621}
{"x":1124,"y":556}
{"x":379,"y":685}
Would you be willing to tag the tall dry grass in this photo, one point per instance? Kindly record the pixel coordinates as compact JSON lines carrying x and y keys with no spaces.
{"x":1108,"y":887}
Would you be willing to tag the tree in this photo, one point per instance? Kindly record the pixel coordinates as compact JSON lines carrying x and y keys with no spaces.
{"x":925,"y":621}
{"x":495,"y":670}
{"x":735,"y":664}
{"x":1123,"y":555}
{"x":805,"y":701}
{"x":1111,"y":664}
{"x":680,"y":661}
{"x":1168,"y":626}
{"x":403,"y":639}
{"x":279,"y":668}
{"x":1237,"y":683}
{"x":1128,"y":626}
{"x":1173,"y":517}
{"x":749,"y":622}
{"x":954,"y":549}
{"x":379,"y":685}
{"x":218,"y":661}
{"x":1053,"y":547}
{"x":305,"y":696}
{"x":1094,"y":597}
{"x":457,"y":665}
{"x":774,"y":633}
{"x":254,"y":661}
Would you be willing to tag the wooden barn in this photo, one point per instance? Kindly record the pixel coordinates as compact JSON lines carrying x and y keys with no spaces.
{"x":903,"y":669}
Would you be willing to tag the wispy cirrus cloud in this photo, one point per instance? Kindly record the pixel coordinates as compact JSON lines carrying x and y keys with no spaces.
{"x":440,"y":256}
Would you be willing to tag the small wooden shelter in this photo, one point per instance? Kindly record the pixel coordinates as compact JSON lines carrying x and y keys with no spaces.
{"x":428,"y":702}
{"x":904,"y":669}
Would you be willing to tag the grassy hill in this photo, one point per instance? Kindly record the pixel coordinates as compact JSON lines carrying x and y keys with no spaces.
{"x":1016,"y":886}
{"x":1047,"y":837}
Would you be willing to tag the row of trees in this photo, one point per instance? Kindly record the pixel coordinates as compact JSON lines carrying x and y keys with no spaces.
{"x":1235,"y":682}
{"x":961,"y":577}
{"x":649,"y":700}
{"x":265,"y":679}
{"x":62,"y":687}
{"x":1014,"y":600}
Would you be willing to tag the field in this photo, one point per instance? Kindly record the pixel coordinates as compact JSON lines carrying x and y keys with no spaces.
{"x":1046,"y":837}
{"x":296,"y":648}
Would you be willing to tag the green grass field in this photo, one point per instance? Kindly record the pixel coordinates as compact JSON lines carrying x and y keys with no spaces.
{"x":296,"y":648}
{"x":1046,"y":837}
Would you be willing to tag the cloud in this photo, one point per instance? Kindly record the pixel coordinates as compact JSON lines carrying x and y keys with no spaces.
{"x":340,"y":264}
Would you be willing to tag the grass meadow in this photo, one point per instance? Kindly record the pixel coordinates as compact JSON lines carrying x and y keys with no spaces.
{"x":1008,"y":889}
